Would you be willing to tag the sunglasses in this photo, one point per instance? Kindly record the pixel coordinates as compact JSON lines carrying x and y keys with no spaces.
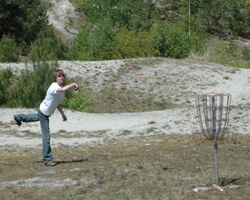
{"x":61,"y":76}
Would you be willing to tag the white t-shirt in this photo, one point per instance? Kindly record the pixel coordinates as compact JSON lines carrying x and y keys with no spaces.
{"x":52,"y":100}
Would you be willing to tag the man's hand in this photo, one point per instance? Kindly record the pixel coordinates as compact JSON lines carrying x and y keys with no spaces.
{"x":76,"y":87}
{"x":59,"y":108}
{"x":64,"y":117}
{"x":67,"y":87}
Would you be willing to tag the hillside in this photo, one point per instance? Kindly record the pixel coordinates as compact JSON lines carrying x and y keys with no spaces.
{"x":63,"y":17}
{"x":173,"y":84}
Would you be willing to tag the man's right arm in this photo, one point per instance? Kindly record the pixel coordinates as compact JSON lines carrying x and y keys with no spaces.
{"x":67,"y":87}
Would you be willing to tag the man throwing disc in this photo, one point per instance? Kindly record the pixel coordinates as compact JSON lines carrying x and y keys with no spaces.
{"x":54,"y":95}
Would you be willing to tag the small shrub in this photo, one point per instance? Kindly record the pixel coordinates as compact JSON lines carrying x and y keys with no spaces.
{"x":228,"y":53}
{"x":246,"y":54}
{"x":24,"y":48}
{"x":9,"y":52}
{"x":30,"y":88}
{"x":79,"y":101}
{"x":94,"y":42}
{"x":172,"y":41}
{"x":48,"y":47}
{"x":129,"y":43}
{"x":73,"y":51}
{"x":5,"y":77}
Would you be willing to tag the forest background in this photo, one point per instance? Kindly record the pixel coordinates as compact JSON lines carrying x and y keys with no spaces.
{"x":115,"y":29}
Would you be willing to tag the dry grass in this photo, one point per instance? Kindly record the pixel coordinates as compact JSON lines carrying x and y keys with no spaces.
{"x":158,"y":167}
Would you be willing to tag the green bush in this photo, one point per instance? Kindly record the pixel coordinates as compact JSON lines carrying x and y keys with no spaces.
{"x":139,"y":14}
{"x":5,"y":77}
{"x":172,"y":41}
{"x":79,"y":101}
{"x":133,"y":44}
{"x":220,"y":17}
{"x":30,"y":88}
{"x":94,"y":42}
{"x":246,"y":54}
{"x":228,"y":53}
{"x":73,"y":52}
{"x":225,"y":53}
{"x":48,"y":47}
{"x":194,"y":27}
{"x":104,"y":43}
{"x":9,"y":52}
{"x":23,"y":18}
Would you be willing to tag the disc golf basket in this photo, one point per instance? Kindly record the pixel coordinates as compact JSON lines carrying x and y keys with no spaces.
{"x":213,"y":114}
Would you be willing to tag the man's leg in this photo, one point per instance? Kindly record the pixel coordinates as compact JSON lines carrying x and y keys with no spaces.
{"x":26,"y":118}
{"x":47,"y":153}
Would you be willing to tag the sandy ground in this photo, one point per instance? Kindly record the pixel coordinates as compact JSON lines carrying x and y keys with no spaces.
{"x":175,"y":81}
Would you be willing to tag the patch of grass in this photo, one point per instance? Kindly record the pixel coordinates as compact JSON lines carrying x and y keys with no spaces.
{"x":119,"y":100}
{"x":28,"y":133}
{"x":155,"y":167}
{"x":228,"y":53}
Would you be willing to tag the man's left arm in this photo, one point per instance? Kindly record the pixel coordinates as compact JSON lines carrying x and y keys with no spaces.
{"x":59,"y":108}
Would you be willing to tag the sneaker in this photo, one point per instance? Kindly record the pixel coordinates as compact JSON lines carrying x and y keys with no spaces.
{"x":50,"y":164}
{"x":19,"y":122}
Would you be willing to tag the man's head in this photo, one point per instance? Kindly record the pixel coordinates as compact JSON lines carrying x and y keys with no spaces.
{"x":58,"y":73}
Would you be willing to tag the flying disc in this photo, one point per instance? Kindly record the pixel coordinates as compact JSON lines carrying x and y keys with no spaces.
{"x":143,"y":76}
{"x":58,"y":165}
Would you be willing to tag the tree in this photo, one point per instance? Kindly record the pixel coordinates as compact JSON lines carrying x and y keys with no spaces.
{"x":220,"y":16}
{"x":23,"y":18}
{"x":140,"y":14}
